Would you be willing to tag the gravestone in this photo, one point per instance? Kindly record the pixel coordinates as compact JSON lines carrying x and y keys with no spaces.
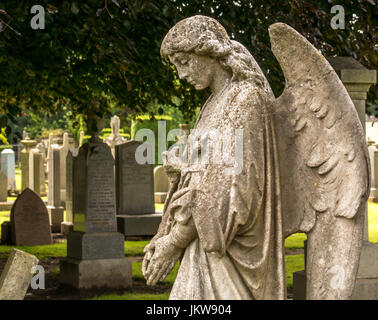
{"x":54,"y":207}
{"x":28,"y":144}
{"x":95,"y":250}
{"x":42,"y":150}
{"x":30,"y":225}
{"x":16,"y":275}
{"x":3,"y":186}
{"x":35,"y":168}
{"x":135,"y":193}
{"x":67,"y":225}
{"x":8,"y":166}
{"x":161,"y":184}
{"x":373,"y":153}
{"x":63,"y":155}
{"x":6,"y":233}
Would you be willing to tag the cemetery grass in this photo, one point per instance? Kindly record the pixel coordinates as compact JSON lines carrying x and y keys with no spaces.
{"x":50,"y":255}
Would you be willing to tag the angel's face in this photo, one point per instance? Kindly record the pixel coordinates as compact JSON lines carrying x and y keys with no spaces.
{"x":197,"y":70}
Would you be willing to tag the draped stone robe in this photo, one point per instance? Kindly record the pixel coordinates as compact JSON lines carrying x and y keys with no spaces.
{"x":238,"y":252}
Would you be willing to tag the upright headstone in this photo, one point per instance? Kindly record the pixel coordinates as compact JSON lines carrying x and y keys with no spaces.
{"x":63,"y":155}
{"x":3,"y":186}
{"x":95,"y":250}
{"x":30,"y":225}
{"x":161,"y":184}
{"x":373,"y":154}
{"x":35,"y":167}
{"x":55,"y":209}
{"x":8,"y":166}
{"x":16,"y":275}
{"x":115,"y":137}
{"x":135,"y":193}
{"x":67,"y":225}
{"x":28,"y":144}
{"x":42,"y":150}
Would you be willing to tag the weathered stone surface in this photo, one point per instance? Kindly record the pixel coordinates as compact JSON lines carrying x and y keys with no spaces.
{"x":35,"y":167}
{"x":54,"y":207}
{"x":8,"y":166}
{"x":373,"y":154}
{"x":95,"y":245}
{"x":299,"y":165}
{"x":93,"y":189}
{"x":28,"y":144}
{"x":67,"y":225}
{"x":95,"y":251}
{"x":3,"y":186}
{"x":6,"y":232}
{"x":139,"y":225}
{"x":161,"y":184}
{"x":30,"y":220}
{"x":16,"y":275}
{"x":134,"y":182}
{"x":100,"y":273}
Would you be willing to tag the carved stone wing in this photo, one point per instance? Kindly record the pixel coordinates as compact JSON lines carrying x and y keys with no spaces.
{"x":323,"y":157}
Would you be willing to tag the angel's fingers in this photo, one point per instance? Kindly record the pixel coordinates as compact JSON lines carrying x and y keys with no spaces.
{"x":145,"y":263}
{"x":167,"y":271}
{"x":158,"y":272}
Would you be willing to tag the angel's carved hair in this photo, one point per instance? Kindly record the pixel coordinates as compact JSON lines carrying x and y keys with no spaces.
{"x":203,"y":35}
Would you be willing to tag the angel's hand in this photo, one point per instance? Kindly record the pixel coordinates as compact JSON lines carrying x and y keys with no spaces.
{"x":149,"y":251}
{"x":162,"y":261}
{"x":172,"y":163}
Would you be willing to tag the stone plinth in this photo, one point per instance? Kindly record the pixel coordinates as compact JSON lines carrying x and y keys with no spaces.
{"x":95,"y":250}
{"x":139,"y":225}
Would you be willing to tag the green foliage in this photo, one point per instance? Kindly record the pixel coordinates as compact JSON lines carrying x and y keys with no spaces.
{"x":108,"y":51}
{"x":295,"y":241}
{"x":293,"y":263}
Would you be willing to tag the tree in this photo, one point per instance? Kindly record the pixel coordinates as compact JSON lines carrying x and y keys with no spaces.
{"x":108,"y":50}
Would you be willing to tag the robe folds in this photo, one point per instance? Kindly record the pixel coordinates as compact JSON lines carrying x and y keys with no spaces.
{"x":238,"y":252}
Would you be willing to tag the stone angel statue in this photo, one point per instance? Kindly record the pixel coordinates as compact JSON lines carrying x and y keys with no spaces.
{"x":304,"y":168}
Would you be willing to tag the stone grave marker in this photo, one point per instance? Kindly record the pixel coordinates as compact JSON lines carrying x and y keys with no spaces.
{"x":63,"y":156}
{"x":135,"y":193}
{"x":42,"y":150}
{"x":35,"y":166}
{"x":54,"y":207}
{"x":373,"y":153}
{"x":30,"y":225}
{"x":3,"y":186}
{"x":67,"y":225}
{"x":161,"y":184}
{"x":28,"y":144}
{"x":8,"y":166}
{"x":95,"y":250}
{"x":16,"y":275}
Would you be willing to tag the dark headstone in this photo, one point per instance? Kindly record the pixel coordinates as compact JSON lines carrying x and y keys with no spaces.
{"x":134,"y":182}
{"x":30,"y":220}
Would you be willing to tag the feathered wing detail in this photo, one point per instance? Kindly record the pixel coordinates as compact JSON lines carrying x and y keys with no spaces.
{"x":323,"y":158}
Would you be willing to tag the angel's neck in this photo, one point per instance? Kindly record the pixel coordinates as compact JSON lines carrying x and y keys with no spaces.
{"x":221,"y":79}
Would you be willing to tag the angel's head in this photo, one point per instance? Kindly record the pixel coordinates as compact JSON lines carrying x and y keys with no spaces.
{"x":199,"y":45}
